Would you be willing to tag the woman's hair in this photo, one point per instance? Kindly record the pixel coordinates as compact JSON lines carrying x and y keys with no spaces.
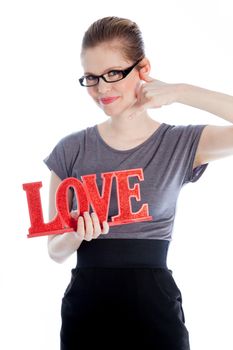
{"x":109,"y":29}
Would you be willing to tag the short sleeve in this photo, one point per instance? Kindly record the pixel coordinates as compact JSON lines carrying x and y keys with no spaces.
{"x":190,"y":139}
{"x":62,"y":157}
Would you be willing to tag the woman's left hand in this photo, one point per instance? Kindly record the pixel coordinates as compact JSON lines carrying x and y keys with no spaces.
{"x":154,"y":94}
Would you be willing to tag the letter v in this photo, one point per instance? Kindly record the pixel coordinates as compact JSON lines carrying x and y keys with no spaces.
{"x":99,"y":203}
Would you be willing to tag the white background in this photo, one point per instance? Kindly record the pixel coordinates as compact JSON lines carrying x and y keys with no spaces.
{"x":41,"y":101}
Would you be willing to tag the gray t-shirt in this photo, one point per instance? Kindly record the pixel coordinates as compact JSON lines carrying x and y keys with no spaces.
{"x":166,"y":158}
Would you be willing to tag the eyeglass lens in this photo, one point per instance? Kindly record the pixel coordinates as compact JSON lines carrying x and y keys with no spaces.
{"x":90,"y":80}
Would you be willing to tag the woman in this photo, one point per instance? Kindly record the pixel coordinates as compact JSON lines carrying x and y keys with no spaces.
{"x":121,"y":292}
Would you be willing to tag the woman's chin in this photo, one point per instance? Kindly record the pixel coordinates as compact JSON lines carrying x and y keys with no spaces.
{"x":110,"y":112}
{"x":115,"y":112}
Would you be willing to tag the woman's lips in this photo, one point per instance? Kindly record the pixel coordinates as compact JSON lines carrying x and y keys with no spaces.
{"x":108,"y":100}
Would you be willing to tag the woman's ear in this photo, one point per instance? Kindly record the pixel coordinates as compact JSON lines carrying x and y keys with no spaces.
{"x":144,"y":66}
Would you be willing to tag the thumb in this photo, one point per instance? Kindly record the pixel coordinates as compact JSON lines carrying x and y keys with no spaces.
{"x":137,"y":109}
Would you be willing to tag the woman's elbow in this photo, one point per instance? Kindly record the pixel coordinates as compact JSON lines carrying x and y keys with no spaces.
{"x":55,"y":257}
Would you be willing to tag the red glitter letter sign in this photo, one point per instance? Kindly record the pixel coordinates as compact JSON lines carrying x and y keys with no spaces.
{"x":87,"y":194}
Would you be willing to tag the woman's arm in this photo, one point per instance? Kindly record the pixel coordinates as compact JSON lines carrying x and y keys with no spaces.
{"x":214,"y":102}
{"x":216,"y":141}
{"x":61,"y":246}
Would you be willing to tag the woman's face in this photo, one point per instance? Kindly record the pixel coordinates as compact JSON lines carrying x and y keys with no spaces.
{"x":100,"y":60}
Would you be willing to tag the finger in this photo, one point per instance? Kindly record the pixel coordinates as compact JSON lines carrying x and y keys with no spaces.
{"x":138,"y":89}
{"x":137,"y":109}
{"x":88,"y":226}
{"x":74,"y":214}
{"x":145,"y":76}
{"x":81,"y":227}
{"x":105,"y":228}
{"x":96,"y":224}
{"x":135,"y":112}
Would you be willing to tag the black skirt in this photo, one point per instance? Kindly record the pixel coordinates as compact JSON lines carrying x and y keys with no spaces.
{"x":124,"y":298}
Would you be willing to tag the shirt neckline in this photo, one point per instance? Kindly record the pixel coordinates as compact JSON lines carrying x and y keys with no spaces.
{"x":131,"y":149}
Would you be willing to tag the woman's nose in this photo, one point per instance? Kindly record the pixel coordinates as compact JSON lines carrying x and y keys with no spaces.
{"x":103,"y":86}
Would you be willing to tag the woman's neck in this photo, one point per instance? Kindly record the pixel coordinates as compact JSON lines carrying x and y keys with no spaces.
{"x":130,"y":128}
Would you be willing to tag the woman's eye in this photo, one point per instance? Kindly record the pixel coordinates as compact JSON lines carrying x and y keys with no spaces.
{"x":113,"y":73}
{"x":90,"y":77}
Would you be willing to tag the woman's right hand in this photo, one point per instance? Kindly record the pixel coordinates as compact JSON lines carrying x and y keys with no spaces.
{"x":88,"y":226}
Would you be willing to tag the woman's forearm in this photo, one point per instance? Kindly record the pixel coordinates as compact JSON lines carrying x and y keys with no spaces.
{"x":213,"y":102}
{"x":61,"y":246}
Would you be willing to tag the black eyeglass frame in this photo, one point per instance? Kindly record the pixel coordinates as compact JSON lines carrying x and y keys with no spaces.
{"x":124,"y":72}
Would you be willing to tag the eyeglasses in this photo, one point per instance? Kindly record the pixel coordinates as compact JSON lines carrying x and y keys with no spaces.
{"x":109,"y":77}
